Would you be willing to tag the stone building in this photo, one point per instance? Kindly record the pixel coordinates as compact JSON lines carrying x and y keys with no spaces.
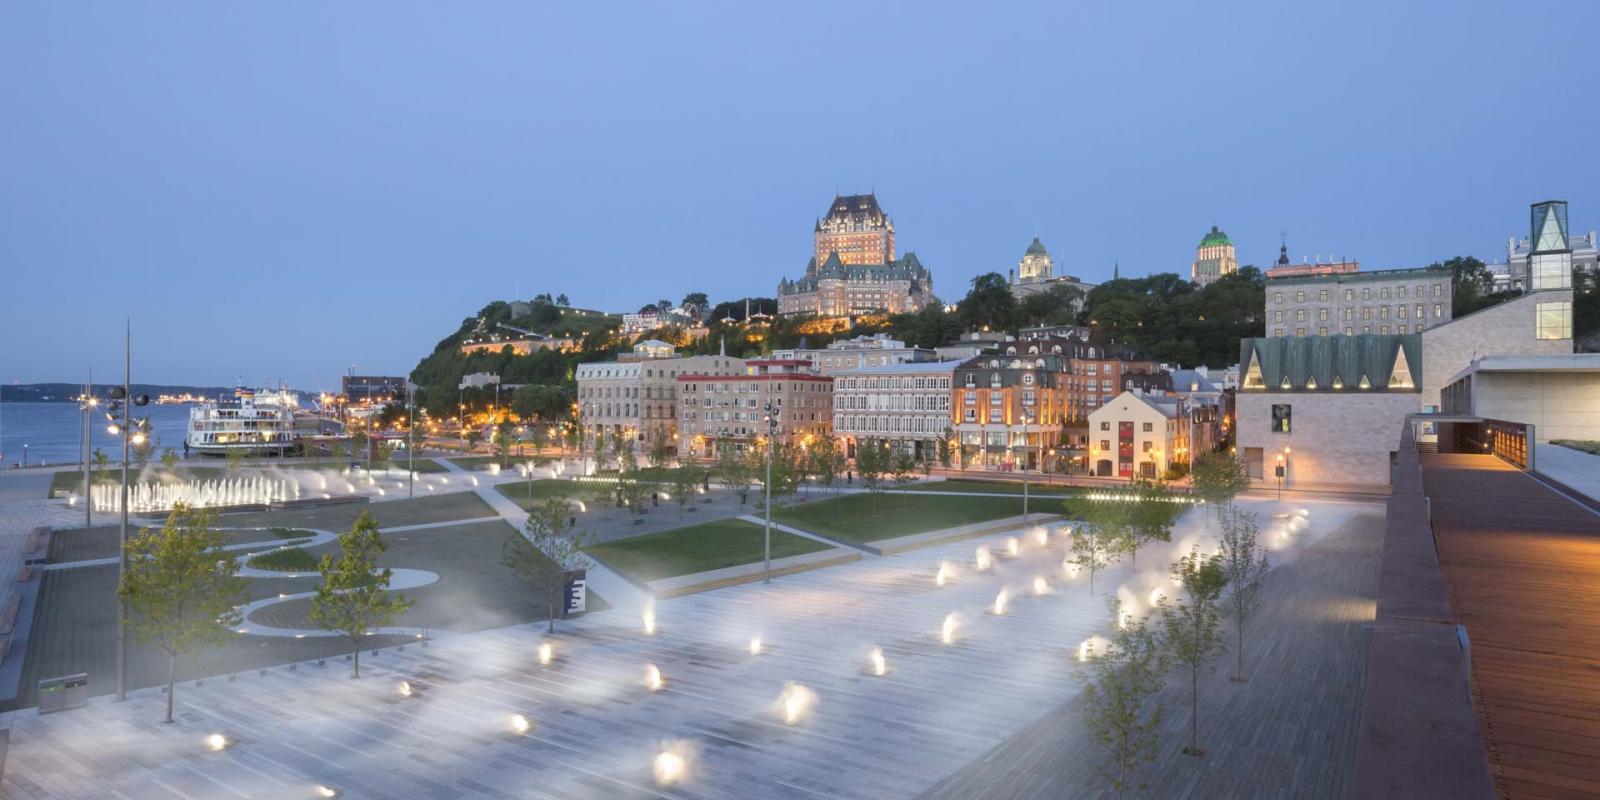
{"x":1327,"y":409}
{"x":1213,"y":258}
{"x":905,"y":404}
{"x":635,"y":398}
{"x":1138,"y":435}
{"x":731,"y":408}
{"x":863,"y":351}
{"x":1379,"y":302}
{"x":1285,"y":269}
{"x":1010,"y":410}
{"x":1584,"y":251}
{"x":1036,"y":273}
{"x":853,"y":268}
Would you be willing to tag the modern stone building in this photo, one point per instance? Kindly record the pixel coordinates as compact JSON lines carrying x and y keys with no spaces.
{"x":1327,"y":409}
{"x":731,"y":408}
{"x":853,"y":268}
{"x":1381,"y":302}
{"x":1138,"y":435}
{"x":1036,"y":273}
{"x":907,"y":405}
{"x":1559,"y":395}
{"x":1585,"y":250}
{"x":1213,"y":258}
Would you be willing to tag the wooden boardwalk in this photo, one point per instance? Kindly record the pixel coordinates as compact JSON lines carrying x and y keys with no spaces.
{"x":1289,"y":732}
{"x":1522,"y":565}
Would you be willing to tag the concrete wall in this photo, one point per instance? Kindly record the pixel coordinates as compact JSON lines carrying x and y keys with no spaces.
{"x":1503,"y":330}
{"x":1560,"y":405}
{"x":1336,"y":438}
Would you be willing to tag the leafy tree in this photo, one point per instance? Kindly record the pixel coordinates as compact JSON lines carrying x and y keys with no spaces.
{"x":660,"y":449}
{"x":631,"y":485}
{"x":1244,"y":565}
{"x":874,"y":463}
{"x":733,"y":471}
{"x":1192,"y":627}
{"x":381,"y":454}
{"x":180,"y":587}
{"x":1217,"y":478}
{"x":1057,"y":305}
{"x":100,"y":461}
{"x":502,"y":441}
{"x":1121,"y":708}
{"x":1471,"y":284}
{"x":561,"y":300}
{"x":697,"y":304}
{"x":235,"y":457}
{"x":353,"y":598}
{"x":947,"y":446}
{"x":826,"y":461}
{"x":169,"y":459}
{"x":989,"y":304}
{"x":551,"y":547}
{"x":1151,"y":515}
{"x":684,"y":482}
{"x":902,"y":472}
{"x":1103,"y":534}
{"x":474,"y":437}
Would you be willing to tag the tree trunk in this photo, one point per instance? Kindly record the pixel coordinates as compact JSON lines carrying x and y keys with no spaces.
{"x":1240,"y":677}
{"x":172,"y":667}
{"x":555,"y":597}
{"x":356,"y":668}
{"x":1194,"y":711}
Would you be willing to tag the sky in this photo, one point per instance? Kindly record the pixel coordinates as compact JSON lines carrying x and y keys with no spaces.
{"x":285,"y":191}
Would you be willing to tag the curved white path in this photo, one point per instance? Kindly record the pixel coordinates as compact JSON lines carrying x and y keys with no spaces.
{"x":402,"y":579}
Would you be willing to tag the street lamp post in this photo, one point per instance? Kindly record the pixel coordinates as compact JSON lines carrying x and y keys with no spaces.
{"x":1024,"y":467}
{"x":87,"y":405}
{"x":766,"y":545}
{"x":411,"y":441}
{"x":122,"y":533}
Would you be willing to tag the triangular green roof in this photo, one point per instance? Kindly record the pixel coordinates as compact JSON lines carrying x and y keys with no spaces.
{"x":1334,"y":363}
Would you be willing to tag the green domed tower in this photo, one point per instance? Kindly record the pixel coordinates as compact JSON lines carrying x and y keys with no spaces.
{"x":1214,"y":257}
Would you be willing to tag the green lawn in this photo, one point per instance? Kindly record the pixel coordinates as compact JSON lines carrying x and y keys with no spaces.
{"x":1592,"y":448}
{"x":518,"y":490}
{"x":698,"y":548}
{"x":484,"y":462}
{"x":992,"y":487}
{"x":864,"y":518}
{"x":289,"y":559}
{"x":398,"y":461}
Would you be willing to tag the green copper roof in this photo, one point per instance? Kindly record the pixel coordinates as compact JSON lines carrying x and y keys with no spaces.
{"x":1368,"y":362}
{"x":1036,"y":249}
{"x":1215,"y":237}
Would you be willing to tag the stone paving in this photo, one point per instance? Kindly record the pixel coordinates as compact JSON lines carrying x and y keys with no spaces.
{"x":594,"y":728}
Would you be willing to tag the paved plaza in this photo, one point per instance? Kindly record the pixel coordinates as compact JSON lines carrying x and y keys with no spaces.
{"x":594,"y":728}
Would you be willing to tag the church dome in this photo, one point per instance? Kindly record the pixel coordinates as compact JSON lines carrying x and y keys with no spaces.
{"x":1036,"y":249}
{"x":1214,"y":238}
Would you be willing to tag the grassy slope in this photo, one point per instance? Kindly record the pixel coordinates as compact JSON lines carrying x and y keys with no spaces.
{"x":698,"y":548}
{"x":863,"y":518}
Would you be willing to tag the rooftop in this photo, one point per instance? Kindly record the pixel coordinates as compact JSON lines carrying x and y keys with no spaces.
{"x":1214,"y":238}
{"x":1362,"y":277}
{"x":906,"y":368}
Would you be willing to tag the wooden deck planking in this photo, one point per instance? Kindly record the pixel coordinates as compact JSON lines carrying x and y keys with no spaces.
{"x":1522,"y":564}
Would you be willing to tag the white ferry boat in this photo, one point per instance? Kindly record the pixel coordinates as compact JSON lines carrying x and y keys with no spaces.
{"x":254,"y":422}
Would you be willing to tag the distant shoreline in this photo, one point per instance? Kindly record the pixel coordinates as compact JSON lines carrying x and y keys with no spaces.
{"x":68,"y":392}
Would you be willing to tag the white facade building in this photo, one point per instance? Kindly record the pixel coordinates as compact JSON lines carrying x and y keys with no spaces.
{"x":905,"y":404}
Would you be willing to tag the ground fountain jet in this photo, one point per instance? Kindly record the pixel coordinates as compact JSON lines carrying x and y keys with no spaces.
{"x":947,"y":572}
{"x":652,"y":677}
{"x":1001,"y":600}
{"x":982,"y":558}
{"x":952,"y":624}
{"x":878,"y":664}
{"x":795,"y":703}
{"x":546,"y":652}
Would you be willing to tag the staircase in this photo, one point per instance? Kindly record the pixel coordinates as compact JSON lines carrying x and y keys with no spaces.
{"x":1427,"y":447}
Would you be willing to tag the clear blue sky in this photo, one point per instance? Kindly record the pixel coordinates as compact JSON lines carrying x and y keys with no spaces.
{"x":285,"y":190}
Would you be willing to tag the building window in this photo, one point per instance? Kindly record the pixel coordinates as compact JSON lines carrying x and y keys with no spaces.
{"x":1384,"y":293}
{"x":1553,"y":320}
{"x":1281,"y":416}
{"x":1437,"y":310}
{"x":1277,"y":297}
{"x":1402,"y":292}
{"x":1349,"y":330}
{"x":1299,"y":297}
{"x":1322,"y":295}
{"x":1105,"y":444}
{"x":1148,"y":427}
{"x":1299,"y":315}
{"x":1277,"y":331}
{"x":1277,"y":316}
{"x":1105,"y":426}
{"x":1366,"y":293}
{"x":1322,"y":315}
{"x":1322,"y":331}
{"x":1300,"y":331}
{"x":1349,"y":294}
{"x":1147,"y":443}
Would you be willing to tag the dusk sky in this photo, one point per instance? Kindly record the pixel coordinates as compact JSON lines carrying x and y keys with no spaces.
{"x":281,"y":191}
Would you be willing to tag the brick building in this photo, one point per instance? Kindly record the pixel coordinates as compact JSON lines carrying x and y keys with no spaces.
{"x":713,"y":409}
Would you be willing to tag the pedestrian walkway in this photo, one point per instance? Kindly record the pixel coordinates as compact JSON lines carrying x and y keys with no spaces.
{"x":1290,"y":731}
{"x":1574,"y":469}
{"x":1522,"y":563}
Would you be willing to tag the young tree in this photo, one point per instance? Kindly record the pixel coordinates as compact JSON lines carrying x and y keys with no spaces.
{"x":551,"y":547}
{"x":1192,"y":628}
{"x":733,"y":470}
{"x":235,"y":457}
{"x":631,"y":485}
{"x":382,"y":452}
{"x":1244,"y":564}
{"x":180,"y":587}
{"x":169,"y":459}
{"x":101,"y":460}
{"x":502,"y":442}
{"x":684,"y":482}
{"x":903,"y":472}
{"x":1103,"y":535}
{"x":1151,"y":515}
{"x":1217,"y":478}
{"x":947,"y":447}
{"x":1120,"y":707}
{"x":660,"y":447}
{"x":474,"y":436}
{"x":353,"y":598}
{"x":873,"y":463}
{"x":826,"y":461}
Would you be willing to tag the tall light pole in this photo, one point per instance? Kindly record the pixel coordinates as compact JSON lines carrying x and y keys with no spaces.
{"x":1024,"y":466}
{"x":122,"y":533}
{"x":411,"y":440}
{"x":87,"y":405}
{"x":766,"y":544}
